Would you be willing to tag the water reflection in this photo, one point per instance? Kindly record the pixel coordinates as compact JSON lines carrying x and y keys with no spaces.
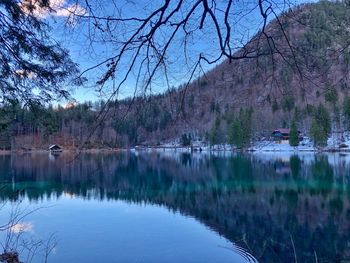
{"x":277,"y":208}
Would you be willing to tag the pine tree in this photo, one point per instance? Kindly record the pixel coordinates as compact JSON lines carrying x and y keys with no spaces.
{"x":293,"y":134}
{"x":185,"y":140}
{"x":26,"y":50}
{"x":346,"y":110}
{"x":239,"y":133}
{"x":317,"y":134}
{"x":236,"y":134}
{"x":324,"y":119}
{"x":288,"y":103}
{"x":331,"y":95}
{"x":320,"y":126}
{"x":215,"y":135}
{"x":275,"y":106}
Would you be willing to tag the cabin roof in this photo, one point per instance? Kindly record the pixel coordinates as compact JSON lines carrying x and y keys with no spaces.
{"x":281,"y":130}
{"x":52,"y":146}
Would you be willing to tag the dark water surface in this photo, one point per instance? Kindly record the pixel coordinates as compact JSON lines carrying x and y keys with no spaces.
{"x":162,"y":207}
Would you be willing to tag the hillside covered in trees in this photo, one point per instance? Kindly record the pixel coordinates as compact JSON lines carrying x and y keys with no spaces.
{"x":300,"y":75}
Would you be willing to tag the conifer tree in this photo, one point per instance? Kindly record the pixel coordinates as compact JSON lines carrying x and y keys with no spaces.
{"x":320,"y":126}
{"x":293,"y":134}
{"x":215,"y":135}
{"x":236,"y":133}
{"x":346,"y":110}
{"x":186,"y":140}
{"x":33,"y":66}
{"x":239,"y":133}
{"x":318,"y":134}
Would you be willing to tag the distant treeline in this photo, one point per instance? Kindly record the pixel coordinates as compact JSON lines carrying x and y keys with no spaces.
{"x":303,"y":84}
{"x":141,"y":122}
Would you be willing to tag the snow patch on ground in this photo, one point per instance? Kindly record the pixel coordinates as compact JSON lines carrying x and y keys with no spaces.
{"x":282,"y":146}
{"x":336,"y":142}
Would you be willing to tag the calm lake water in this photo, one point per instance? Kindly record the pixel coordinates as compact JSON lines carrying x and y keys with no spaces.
{"x":168,"y":207}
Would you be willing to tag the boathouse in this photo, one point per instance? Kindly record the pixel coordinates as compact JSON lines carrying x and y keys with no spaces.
{"x":55,"y":148}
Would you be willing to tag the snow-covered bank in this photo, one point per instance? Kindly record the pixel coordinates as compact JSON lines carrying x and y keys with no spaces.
{"x":335,"y":143}
{"x":283,"y":146}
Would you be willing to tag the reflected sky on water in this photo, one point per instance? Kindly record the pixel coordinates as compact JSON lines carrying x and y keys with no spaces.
{"x":167,"y":207}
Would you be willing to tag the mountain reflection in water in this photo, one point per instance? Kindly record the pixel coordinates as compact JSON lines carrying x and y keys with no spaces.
{"x":276,"y":208}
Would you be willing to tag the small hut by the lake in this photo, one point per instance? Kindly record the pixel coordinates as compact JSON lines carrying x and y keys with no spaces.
{"x":55,"y":148}
{"x":282,"y":134}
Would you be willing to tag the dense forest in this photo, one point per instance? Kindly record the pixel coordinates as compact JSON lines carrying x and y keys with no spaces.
{"x":303,"y":83}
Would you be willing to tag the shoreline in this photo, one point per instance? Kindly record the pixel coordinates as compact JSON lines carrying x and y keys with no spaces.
{"x":186,"y":149}
{"x":104,"y":150}
{"x":197,"y":149}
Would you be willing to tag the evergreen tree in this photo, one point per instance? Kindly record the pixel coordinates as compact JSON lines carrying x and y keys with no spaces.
{"x":30,"y":59}
{"x":324,"y":119}
{"x":346,"y":110}
{"x":293,"y":134}
{"x":318,"y":134}
{"x":320,"y":126}
{"x":185,"y":140}
{"x":165,"y":118}
{"x":239,"y":133}
{"x":331,"y":96}
{"x":236,"y":134}
{"x":275,"y":106}
{"x":215,"y":135}
{"x":288,"y":103}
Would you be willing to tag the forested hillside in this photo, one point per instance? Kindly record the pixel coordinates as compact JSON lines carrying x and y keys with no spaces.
{"x":300,"y":74}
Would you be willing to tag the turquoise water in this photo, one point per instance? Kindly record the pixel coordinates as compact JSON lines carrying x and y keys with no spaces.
{"x":167,"y":207}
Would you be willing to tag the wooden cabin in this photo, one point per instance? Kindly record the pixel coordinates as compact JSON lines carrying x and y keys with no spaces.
{"x":282,"y":134}
{"x":55,"y":148}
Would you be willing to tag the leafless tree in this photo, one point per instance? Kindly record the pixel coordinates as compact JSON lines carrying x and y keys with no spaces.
{"x":166,"y":43}
{"x":146,"y":45}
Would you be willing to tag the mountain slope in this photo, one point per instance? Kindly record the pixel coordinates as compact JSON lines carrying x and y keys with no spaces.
{"x":307,"y":63}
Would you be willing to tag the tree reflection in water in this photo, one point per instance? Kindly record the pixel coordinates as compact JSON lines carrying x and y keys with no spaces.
{"x":276,"y":208}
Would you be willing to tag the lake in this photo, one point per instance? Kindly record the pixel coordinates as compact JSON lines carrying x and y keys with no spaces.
{"x":176,"y":207}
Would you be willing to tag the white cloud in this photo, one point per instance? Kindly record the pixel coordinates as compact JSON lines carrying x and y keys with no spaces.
{"x":22,"y":227}
{"x":25,"y":74}
{"x":58,"y":8}
{"x":74,"y":9}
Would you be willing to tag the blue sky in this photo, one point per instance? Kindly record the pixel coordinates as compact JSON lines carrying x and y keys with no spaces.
{"x":88,"y":46}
